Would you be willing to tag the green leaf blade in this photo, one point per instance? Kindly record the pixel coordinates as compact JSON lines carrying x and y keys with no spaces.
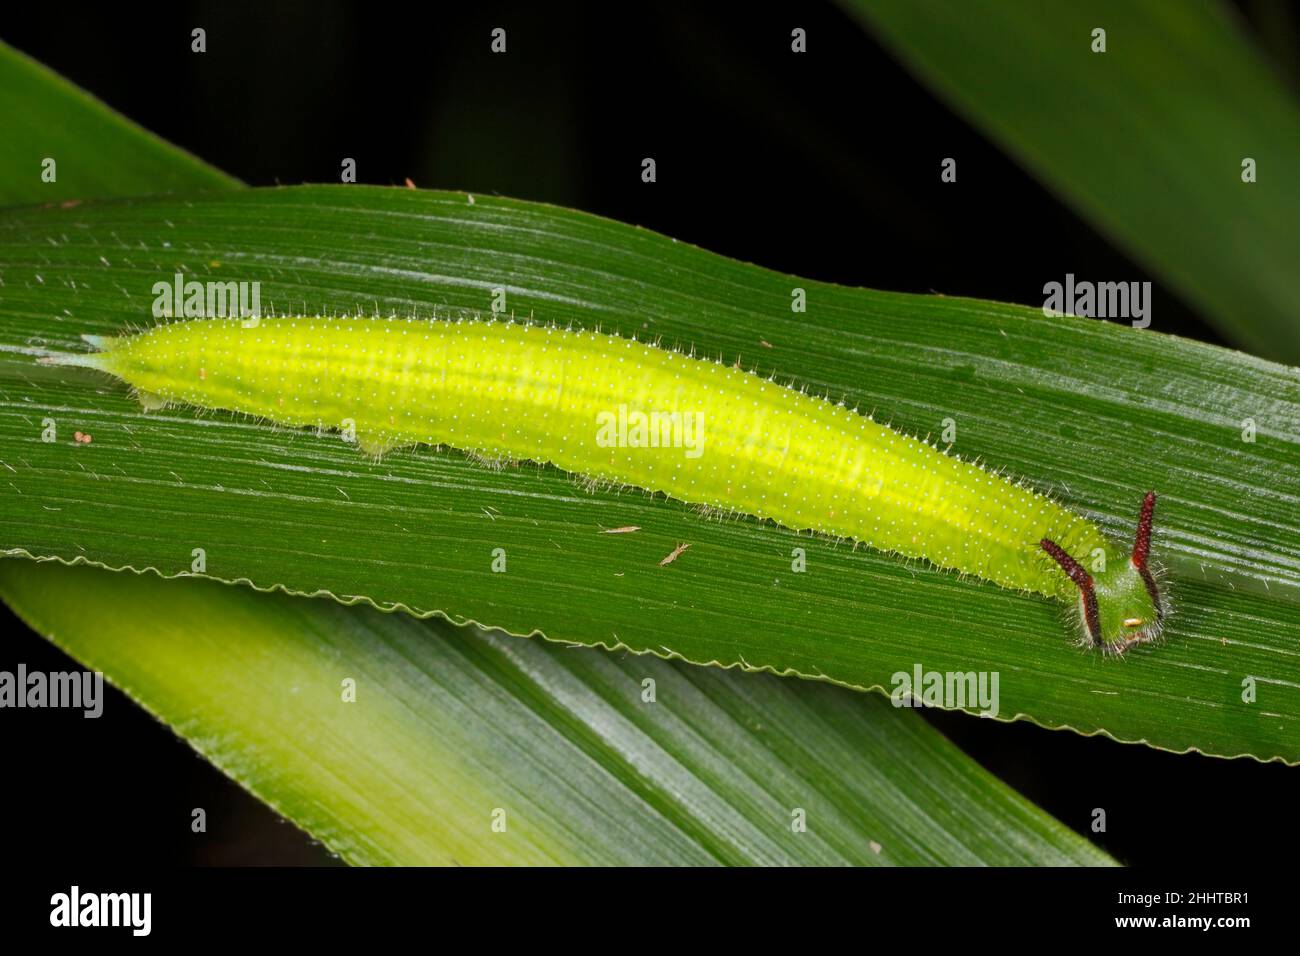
{"x":449,"y":726}
{"x":1145,"y":140}
{"x":1090,"y":411}
{"x":47,"y":118}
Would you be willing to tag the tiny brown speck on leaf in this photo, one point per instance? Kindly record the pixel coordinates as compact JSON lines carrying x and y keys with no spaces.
{"x":673,"y":555}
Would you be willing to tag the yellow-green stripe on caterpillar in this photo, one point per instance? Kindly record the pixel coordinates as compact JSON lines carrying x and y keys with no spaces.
{"x":617,"y":410}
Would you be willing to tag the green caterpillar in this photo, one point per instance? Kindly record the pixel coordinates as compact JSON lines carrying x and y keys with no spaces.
{"x":621,"y":411}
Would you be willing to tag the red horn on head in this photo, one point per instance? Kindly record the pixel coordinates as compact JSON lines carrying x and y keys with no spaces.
{"x":1142,"y":542}
{"x":1091,"y":615}
{"x":1142,"y":547}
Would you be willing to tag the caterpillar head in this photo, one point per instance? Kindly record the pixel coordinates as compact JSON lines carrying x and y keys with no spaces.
{"x":1121,"y":605}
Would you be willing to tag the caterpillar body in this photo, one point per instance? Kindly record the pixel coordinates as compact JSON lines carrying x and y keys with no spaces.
{"x":502,"y":390}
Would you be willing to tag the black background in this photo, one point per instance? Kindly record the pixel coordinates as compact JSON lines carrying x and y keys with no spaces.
{"x":824,"y":164}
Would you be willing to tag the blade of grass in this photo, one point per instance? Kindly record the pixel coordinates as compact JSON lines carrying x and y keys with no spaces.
{"x":1146,"y":140}
{"x":454,"y":730}
{"x":1094,"y":412}
{"x":124,"y":160}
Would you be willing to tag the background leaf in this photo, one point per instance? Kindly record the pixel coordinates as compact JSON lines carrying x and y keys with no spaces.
{"x":1091,"y":411}
{"x":124,"y":161}
{"x":1146,"y":140}
{"x":450,"y":725}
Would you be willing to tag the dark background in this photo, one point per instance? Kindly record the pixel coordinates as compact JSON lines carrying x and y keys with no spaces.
{"x":824,"y":164}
